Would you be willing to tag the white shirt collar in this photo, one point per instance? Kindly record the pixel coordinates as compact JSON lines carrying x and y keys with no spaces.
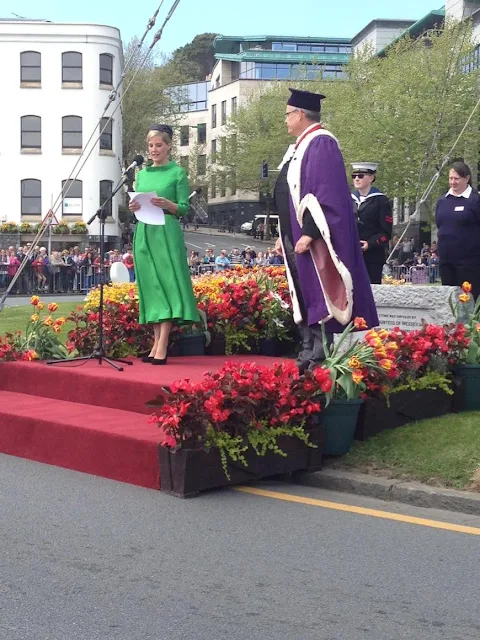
{"x":307,"y":130}
{"x":465,"y":194}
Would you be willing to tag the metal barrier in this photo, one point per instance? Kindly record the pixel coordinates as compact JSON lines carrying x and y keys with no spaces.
{"x":418,"y":274}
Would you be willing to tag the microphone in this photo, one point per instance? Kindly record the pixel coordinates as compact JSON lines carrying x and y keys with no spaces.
{"x":195,"y":192}
{"x":137,"y":162}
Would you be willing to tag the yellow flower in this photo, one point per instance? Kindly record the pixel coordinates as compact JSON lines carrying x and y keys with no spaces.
{"x":464,"y":297}
{"x":391,"y":346}
{"x":357,"y":376}
{"x":354,"y":363}
{"x":385,"y":364}
{"x":60,"y":321}
{"x":48,"y":322}
{"x":34,"y":300}
{"x":381,"y":352}
{"x":32,"y":355}
{"x":466,"y":287}
{"x":57,"y":328}
{"x":383,"y":333}
{"x":52,"y":306}
{"x":40,"y":306}
{"x":35,"y":317}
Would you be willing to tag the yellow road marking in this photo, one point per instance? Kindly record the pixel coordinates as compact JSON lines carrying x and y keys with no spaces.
{"x":374,"y":513}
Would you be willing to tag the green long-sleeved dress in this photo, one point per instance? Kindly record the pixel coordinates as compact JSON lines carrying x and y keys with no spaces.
{"x":163,"y":277}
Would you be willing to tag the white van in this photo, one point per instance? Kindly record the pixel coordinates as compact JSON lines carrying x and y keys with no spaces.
{"x":248,"y":227}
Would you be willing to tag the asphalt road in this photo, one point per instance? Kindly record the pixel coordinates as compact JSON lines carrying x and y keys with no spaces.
{"x":83,"y":558}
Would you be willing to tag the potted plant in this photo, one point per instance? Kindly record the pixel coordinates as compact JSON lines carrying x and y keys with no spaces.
{"x":191,"y":339}
{"x":275,"y":325}
{"x":78,"y":228}
{"x":8,"y":227}
{"x":61,"y":228}
{"x":349,"y":368}
{"x":26,"y":227}
{"x":420,"y":385}
{"x":242,"y":423}
{"x":467,"y":312}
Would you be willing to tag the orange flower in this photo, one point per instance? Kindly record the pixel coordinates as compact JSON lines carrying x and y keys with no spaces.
{"x":359,"y":323}
{"x":354,"y":363}
{"x":383,"y":333}
{"x":40,"y":306}
{"x":371,"y":335}
{"x":53,"y":306}
{"x":385,"y":364}
{"x":381,"y":352}
{"x":477,"y":327}
{"x":34,"y":300}
{"x":31,"y":355}
{"x":48,"y":322}
{"x":34,"y":317}
{"x":357,"y":376}
{"x":464,"y":297}
{"x":60,"y":321}
{"x":466,"y":287}
{"x":57,"y":328}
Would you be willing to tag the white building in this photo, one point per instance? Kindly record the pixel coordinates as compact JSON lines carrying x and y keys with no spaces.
{"x":55,"y":86}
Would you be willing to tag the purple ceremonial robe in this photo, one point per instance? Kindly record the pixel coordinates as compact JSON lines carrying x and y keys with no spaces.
{"x":332,"y":276}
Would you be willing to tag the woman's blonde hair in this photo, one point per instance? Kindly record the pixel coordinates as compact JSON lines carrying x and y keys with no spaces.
{"x":154,"y":133}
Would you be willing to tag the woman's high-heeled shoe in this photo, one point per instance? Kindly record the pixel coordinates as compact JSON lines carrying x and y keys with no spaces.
{"x":147,"y":359}
{"x":159,"y":361}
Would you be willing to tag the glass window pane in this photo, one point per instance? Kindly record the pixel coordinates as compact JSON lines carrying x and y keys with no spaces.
{"x":106,"y":69}
{"x":31,"y":188}
{"x":72,"y":140}
{"x":72,"y":188}
{"x":106,"y":135}
{"x":30,"y":59}
{"x":31,"y":140}
{"x":72,"y":123}
{"x":202,"y":133}
{"x":31,"y":123}
{"x":72,"y":59}
{"x":105,"y":193}
{"x":71,"y":74}
{"x":31,"y":74}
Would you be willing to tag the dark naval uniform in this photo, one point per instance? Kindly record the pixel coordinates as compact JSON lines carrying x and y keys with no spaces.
{"x":374,"y":224}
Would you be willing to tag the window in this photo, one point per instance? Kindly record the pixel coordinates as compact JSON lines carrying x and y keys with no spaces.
{"x":214,"y":116}
{"x":214,"y":151}
{"x":106,"y":134}
{"x":213,"y":189}
{"x":71,"y":132}
{"x":31,"y":132}
{"x":105,"y":194}
{"x":224,"y":112}
{"x":233,"y":184}
{"x":201,"y":165}
{"x":184,"y":162}
{"x":201,"y":133}
{"x":30,"y":66}
{"x":184,"y":136}
{"x":72,"y":193}
{"x":234,"y":106}
{"x":223,"y":188}
{"x":106,"y":69}
{"x":223,"y":149}
{"x":31,"y":192}
{"x":71,"y":67}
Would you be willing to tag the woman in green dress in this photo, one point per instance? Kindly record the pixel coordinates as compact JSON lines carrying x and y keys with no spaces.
{"x":163,"y":277}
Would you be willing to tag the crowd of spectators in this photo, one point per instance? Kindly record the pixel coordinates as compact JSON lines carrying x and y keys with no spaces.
{"x":224,"y":260}
{"x":67,"y":271}
{"x":406,"y":255}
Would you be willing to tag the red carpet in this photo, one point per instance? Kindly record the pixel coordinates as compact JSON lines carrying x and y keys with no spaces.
{"x":91,"y":418}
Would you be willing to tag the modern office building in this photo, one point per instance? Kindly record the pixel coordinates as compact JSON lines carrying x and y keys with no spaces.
{"x":55,"y":87}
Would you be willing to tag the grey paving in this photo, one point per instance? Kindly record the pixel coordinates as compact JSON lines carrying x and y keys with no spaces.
{"x":83,"y":558}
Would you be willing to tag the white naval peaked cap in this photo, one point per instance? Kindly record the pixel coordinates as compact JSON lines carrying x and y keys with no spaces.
{"x":367,"y":167}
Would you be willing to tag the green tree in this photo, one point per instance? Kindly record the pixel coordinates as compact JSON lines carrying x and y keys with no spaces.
{"x":150,"y":98}
{"x":403,"y":110}
{"x":195,"y":61}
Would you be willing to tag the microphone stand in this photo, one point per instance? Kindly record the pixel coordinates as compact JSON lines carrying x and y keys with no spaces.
{"x":99,"y":353}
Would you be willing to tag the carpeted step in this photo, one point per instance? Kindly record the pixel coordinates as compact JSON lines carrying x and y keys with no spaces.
{"x":101,"y":385}
{"x":106,"y":442}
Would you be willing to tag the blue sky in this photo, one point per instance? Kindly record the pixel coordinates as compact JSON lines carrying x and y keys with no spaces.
{"x":343,"y":18}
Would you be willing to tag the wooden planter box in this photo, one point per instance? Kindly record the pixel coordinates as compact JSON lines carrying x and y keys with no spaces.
{"x":405,"y":406}
{"x":186,"y":472}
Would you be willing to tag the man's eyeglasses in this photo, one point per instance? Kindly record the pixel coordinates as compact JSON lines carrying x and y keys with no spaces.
{"x":289,"y":112}
{"x":358,"y":175}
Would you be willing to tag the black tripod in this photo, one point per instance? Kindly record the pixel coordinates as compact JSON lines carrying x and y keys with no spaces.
{"x":99,"y":353}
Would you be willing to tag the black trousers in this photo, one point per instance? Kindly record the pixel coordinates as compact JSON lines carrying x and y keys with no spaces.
{"x":455,"y":275}
{"x":311,"y":351}
{"x":374,"y":270}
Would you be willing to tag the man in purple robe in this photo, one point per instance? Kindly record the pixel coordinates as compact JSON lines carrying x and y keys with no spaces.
{"x":318,"y":237}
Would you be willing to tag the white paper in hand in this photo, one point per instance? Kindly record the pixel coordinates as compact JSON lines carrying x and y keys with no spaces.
{"x":148,"y":213}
